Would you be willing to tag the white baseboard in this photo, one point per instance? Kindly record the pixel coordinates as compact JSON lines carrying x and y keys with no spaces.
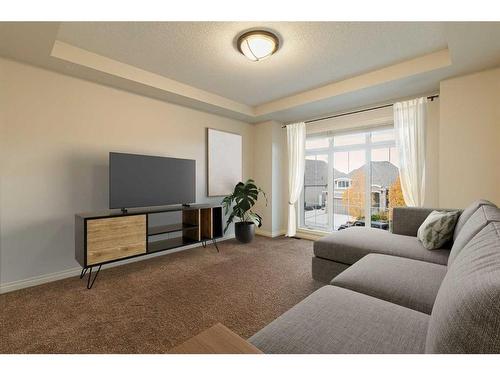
{"x":266,"y":233}
{"x":37,"y":280}
{"x":71,"y":272}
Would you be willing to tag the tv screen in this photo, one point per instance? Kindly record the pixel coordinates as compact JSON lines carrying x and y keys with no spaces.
{"x":142,"y":181}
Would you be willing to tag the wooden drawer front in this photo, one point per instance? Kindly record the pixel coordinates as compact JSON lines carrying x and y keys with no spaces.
{"x":115,"y":238}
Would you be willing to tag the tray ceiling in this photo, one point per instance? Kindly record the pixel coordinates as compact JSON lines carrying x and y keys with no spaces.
{"x":322,"y":67}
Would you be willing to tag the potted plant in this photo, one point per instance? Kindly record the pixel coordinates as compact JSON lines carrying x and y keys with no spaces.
{"x":244,"y":197}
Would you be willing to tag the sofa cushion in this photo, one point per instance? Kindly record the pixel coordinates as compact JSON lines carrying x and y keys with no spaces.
{"x":437,"y":229}
{"x":466,"y":314}
{"x":479,"y":219}
{"x":406,"y":282}
{"x":350,"y":245}
{"x":467,"y":213}
{"x":337,"y":320}
{"x":407,"y":220}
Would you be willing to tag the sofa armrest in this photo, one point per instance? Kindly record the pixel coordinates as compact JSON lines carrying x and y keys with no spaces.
{"x":407,"y":220}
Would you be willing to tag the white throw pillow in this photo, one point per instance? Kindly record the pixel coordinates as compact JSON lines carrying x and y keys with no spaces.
{"x":437,"y":229}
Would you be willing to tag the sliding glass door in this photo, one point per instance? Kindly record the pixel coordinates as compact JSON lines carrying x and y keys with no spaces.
{"x":350,"y":180}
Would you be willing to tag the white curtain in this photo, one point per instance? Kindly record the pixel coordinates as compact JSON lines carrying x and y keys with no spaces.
{"x":409,"y":126}
{"x":296,"y":136}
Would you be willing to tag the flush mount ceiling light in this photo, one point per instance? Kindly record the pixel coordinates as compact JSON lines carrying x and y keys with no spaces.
{"x":257,"y":45}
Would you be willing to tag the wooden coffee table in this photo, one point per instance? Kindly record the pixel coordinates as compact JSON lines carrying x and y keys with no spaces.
{"x":218,"y":339}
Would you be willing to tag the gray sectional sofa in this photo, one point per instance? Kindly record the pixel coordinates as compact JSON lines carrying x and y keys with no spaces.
{"x":388,"y":294}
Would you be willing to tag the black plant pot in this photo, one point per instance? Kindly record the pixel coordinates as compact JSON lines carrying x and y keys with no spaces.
{"x":244,"y":231}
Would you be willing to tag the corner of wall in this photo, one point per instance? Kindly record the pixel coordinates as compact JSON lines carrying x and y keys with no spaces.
{"x":469,"y":134}
{"x":269,"y":150}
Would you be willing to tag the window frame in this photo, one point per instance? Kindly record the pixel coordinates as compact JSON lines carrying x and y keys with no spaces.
{"x":368,"y":146}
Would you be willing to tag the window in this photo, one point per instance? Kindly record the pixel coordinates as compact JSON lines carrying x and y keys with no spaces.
{"x":350,"y":180}
{"x":316,"y":190}
{"x":341,"y":183}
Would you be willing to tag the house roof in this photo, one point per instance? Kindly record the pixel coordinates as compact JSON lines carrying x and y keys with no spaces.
{"x":338,"y":174}
{"x":384,"y":173}
{"x":316,"y":172}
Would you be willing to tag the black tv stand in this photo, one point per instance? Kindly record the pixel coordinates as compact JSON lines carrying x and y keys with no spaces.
{"x":113,"y":235}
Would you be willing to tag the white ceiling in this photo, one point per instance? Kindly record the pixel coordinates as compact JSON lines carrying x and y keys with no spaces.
{"x":203,"y":55}
{"x":313,"y":54}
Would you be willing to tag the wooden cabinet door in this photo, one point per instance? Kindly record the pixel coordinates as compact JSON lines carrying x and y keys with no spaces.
{"x":115,"y":238}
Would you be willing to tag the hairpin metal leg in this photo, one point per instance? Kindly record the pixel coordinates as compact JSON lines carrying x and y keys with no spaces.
{"x":84,"y":271}
{"x":215,"y":243}
{"x":89,"y":283}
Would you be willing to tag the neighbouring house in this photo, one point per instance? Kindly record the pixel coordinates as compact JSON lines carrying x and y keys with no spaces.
{"x":383,"y":175}
{"x":315,"y":184}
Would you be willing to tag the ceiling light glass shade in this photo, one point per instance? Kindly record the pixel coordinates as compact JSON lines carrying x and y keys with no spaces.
{"x":258,"y":45}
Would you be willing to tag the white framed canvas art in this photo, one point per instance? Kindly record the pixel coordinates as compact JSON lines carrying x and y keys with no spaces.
{"x":224,"y":162}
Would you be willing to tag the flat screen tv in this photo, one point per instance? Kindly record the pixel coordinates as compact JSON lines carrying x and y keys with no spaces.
{"x":143,"y":181}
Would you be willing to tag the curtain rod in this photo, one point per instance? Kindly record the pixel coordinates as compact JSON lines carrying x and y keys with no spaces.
{"x":431,"y":98}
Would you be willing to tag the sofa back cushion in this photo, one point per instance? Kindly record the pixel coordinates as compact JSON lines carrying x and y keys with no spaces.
{"x":467,"y":213}
{"x":466,"y":314}
{"x":479,"y":219}
{"x":407,"y":220}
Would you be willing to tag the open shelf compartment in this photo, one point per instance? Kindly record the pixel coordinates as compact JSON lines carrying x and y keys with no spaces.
{"x":169,"y":243}
{"x":200,"y":224}
{"x":217,"y":224}
{"x":170,"y":228}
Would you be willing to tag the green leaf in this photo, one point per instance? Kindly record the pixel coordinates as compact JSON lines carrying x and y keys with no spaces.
{"x":244,"y":205}
{"x":255,"y":218}
{"x":254,"y":195}
{"x":240,"y":202}
{"x":229,"y":221}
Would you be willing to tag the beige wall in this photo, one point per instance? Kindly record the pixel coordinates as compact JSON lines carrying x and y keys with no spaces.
{"x":270,"y":175}
{"x":432,"y":155}
{"x":469,"y":139}
{"x":368,"y":119}
{"x":280,"y":180}
{"x":54,"y":147}
{"x":262,"y":174}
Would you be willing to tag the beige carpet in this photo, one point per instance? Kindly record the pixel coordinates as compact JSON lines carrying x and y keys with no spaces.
{"x":152,"y":305}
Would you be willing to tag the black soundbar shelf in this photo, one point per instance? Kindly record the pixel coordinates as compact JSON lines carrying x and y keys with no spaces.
{"x":161,"y":229}
{"x":170,"y":243}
